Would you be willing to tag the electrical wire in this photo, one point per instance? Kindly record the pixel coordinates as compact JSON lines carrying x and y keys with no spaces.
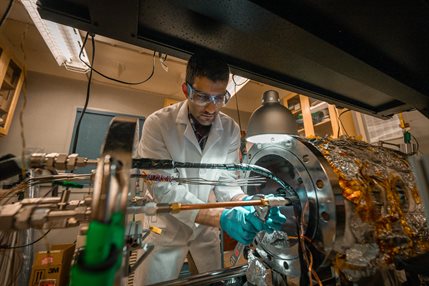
{"x":20,"y":263}
{"x":11,"y":260}
{"x":162,"y":60}
{"x":236,"y":100}
{"x":341,"y":122}
{"x":30,"y":182}
{"x":24,"y":104}
{"x":25,"y":245}
{"x":88,"y":92}
{"x":417,"y":144}
{"x":150,"y":164}
{"x":309,"y":259}
{"x":239,"y":84}
{"x":6,"y":13}
{"x":111,"y":78}
{"x":313,"y":272}
{"x":252,"y":181}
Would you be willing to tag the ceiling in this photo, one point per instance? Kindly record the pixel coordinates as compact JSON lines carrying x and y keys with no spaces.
{"x":370,"y":56}
{"x":116,"y":59}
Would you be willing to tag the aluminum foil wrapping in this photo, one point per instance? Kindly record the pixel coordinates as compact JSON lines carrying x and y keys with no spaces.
{"x":276,"y":239}
{"x":379,"y":183}
{"x":257,"y":274}
{"x":362,"y":255}
{"x":359,"y":262}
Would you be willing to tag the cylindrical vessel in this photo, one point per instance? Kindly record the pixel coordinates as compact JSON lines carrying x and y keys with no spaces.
{"x":357,"y":201}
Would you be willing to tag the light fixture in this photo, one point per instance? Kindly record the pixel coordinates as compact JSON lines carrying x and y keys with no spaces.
{"x":271,"y":122}
{"x":64,"y":42}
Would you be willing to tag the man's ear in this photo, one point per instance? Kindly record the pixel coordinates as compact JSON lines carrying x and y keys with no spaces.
{"x":185,"y":89}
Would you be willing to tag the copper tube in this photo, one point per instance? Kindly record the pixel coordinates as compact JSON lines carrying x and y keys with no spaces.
{"x":181,"y":207}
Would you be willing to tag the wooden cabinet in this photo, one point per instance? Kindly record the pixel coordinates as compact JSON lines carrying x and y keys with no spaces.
{"x":11,"y":80}
{"x":317,"y":118}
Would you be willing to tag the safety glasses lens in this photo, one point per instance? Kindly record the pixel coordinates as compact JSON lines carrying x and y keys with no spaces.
{"x":203,"y":99}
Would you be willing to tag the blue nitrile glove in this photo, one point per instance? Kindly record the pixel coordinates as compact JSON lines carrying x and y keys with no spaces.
{"x":274,"y":220}
{"x":241,"y":224}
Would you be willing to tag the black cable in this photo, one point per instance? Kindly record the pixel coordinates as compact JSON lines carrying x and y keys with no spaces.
{"x":342,"y":125}
{"x":114,"y":79}
{"x":88,"y":92}
{"x":236,"y":101}
{"x":244,"y":82}
{"x":25,"y":245}
{"x":162,"y":57}
{"x":6,"y":13}
{"x":154,"y":164}
{"x":417,"y":143}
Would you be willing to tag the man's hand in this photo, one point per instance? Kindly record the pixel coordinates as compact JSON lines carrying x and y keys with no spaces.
{"x":241,"y":224}
{"x":274,"y":220}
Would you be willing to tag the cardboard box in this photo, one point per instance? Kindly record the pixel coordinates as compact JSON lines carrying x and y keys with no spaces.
{"x":52,"y":267}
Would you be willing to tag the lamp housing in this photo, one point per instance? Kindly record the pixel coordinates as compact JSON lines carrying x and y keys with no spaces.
{"x":272,"y":122}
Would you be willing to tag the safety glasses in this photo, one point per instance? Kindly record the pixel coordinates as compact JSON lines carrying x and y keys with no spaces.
{"x":202,"y":99}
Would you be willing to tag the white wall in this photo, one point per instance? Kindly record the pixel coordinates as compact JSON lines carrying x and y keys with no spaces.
{"x":51,"y":107}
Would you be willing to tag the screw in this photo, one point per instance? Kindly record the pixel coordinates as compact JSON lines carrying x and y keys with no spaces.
{"x":320,"y":184}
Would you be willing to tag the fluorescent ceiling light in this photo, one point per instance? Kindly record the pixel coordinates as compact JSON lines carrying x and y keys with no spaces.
{"x":235,"y":85}
{"x":64,"y":42}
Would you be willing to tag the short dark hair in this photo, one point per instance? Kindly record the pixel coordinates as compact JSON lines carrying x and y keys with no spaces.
{"x":208,"y":65}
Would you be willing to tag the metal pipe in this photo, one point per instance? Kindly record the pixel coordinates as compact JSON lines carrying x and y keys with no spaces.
{"x":222,"y":252}
{"x":10,"y":261}
{"x":33,"y":192}
{"x":64,"y":199}
{"x":231,"y":204}
{"x":153,"y":208}
{"x":207,"y":278}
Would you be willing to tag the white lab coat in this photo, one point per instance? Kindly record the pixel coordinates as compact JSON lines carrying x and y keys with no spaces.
{"x":168,"y":134}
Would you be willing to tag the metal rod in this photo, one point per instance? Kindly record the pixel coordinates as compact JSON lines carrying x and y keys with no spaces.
{"x":231,"y":204}
{"x":33,"y":192}
{"x":207,"y":278}
{"x":11,"y":261}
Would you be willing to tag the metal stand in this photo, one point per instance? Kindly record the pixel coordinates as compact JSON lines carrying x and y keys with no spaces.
{"x":24,"y":278}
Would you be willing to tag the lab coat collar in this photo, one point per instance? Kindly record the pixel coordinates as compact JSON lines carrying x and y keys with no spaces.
{"x":182,"y":115}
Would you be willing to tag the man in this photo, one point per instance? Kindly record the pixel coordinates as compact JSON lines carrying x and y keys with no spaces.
{"x":196,"y":131}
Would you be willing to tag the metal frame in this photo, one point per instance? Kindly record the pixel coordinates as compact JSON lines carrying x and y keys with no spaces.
{"x":321,"y":51}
